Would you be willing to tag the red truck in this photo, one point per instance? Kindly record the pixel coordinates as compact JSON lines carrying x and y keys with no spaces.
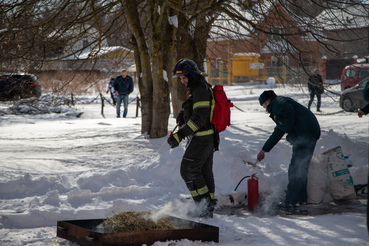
{"x":353,"y":74}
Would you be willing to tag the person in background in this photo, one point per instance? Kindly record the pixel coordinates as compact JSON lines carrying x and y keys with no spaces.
{"x":315,"y":86}
{"x":365,"y":111}
{"x":112,"y":91}
{"x":123,"y":86}
{"x":194,"y":119}
{"x":303,"y":131}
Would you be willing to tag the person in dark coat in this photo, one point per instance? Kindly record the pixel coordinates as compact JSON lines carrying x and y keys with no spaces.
{"x":123,"y":86}
{"x":315,"y":86}
{"x":302,"y":130}
{"x":365,"y":110}
{"x":194,"y":119}
{"x":112,"y":91}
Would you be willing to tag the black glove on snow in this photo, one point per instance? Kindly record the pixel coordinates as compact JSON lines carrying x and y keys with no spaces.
{"x":180,"y":118}
{"x":175,"y":139}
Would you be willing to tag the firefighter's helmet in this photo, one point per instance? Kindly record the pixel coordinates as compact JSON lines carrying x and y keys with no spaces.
{"x":186,"y":67}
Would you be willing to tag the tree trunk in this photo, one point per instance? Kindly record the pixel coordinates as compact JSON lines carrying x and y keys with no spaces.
{"x":161,"y":109}
{"x":154,"y":89}
{"x":178,"y":92}
{"x":183,"y":50}
{"x":201,"y":34}
{"x":145,"y":75}
{"x":190,"y":45}
{"x":161,"y":102}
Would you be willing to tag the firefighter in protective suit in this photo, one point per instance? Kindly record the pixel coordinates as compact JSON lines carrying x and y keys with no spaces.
{"x":197,"y":161}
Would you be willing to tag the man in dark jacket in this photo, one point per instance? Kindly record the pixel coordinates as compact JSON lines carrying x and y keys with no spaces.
{"x":315,"y":86}
{"x":123,"y":86}
{"x":302,"y":130}
{"x":365,"y":110}
{"x":197,"y":161}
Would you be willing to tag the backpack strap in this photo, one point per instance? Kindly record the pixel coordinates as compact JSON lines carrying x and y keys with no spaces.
{"x":212,"y":102}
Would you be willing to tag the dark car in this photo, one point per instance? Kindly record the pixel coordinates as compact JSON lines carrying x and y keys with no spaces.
{"x":18,"y":86}
{"x":352,"y":98}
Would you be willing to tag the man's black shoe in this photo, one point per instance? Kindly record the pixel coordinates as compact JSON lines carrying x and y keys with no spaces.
{"x":284,"y":206}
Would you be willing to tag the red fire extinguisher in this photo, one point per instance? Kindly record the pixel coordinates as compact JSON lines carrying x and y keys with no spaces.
{"x":253,"y":192}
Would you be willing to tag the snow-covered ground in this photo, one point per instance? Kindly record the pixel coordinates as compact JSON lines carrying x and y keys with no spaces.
{"x":60,"y":167}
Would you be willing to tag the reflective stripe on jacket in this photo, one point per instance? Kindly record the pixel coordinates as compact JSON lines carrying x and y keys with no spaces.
{"x":197,"y":109}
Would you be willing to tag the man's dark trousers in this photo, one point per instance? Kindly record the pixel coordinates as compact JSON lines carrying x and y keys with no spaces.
{"x":124,"y":99}
{"x":318,"y":96}
{"x":302,"y":153}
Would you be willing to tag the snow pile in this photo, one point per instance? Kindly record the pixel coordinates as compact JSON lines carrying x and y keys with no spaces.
{"x":43,"y":105}
{"x":67,"y":168}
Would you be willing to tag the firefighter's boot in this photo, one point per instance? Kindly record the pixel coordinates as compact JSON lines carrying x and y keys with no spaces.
{"x":204,"y":209}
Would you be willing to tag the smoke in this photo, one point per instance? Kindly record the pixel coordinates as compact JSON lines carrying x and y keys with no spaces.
{"x":270,"y":201}
{"x":178,"y":207}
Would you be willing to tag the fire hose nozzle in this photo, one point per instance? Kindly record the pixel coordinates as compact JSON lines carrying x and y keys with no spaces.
{"x":171,"y":132}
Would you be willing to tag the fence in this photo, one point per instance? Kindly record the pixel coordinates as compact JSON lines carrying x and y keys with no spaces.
{"x":103,"y":100}
{"x":283,"y":74}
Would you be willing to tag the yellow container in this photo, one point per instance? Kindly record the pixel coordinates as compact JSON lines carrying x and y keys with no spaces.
{"x":241,"y":66}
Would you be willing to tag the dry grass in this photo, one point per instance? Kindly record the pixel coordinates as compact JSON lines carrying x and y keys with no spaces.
{"x":135,"y":221}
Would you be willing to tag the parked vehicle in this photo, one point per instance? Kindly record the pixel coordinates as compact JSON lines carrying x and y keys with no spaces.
{"x":352,"y":99}
{"x":16,"y":86}
{"x":353,"y":74}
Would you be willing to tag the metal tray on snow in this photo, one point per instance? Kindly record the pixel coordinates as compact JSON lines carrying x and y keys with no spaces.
{"x":89,"y":233}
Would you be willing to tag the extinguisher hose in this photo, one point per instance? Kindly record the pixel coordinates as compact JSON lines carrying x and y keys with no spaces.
{"x":241,"y":181}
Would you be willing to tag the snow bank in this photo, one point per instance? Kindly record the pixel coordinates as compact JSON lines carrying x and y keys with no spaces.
{"x":61,"y":167}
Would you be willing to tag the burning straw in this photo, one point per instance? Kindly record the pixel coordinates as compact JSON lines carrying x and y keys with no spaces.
{"x":135,"y":221}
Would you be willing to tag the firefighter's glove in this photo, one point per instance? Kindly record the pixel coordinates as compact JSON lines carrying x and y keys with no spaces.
{"x":180,"y":119}
{"x":175,"y":139}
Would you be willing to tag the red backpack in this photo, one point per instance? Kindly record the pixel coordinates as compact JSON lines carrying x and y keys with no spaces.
{"x":222,"y":109}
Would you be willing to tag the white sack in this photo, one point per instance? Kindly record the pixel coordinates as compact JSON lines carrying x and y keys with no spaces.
{"x":317,"y":179}
{"x":341,"y":184}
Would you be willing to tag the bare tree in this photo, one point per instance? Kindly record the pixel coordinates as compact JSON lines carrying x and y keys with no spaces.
{"x":38,"y":32}
{"x":185,"y":36}
{"x":143,"y":63}
{"x":298,"y":34}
